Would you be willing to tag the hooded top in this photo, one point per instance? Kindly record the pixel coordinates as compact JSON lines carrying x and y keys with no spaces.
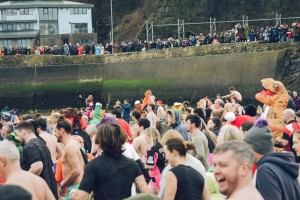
{"x":97,"y":115}
{"x":277,"y":176}
{"x":177,"y":125}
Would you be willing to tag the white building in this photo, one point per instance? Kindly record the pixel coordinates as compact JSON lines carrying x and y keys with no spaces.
{"x":28,"y":23}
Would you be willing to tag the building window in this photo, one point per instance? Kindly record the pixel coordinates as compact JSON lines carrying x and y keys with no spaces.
{"x":9,"y":27}
{"x":48,"y":14}
{"x":78,"y":11}
{"x":23,"y":43}
{"x":79,"y":28}
{"x":5,"y":43}
{"x":4,"y":27}
{"x":26,"y":12}
{"x":48,"y":28}
{"x":84,"y":41}
{"x":11,"y":12}
{"x":27,"y":26}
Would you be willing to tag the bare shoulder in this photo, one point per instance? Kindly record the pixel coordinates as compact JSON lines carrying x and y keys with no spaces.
{"x":247,"y":193}
{"x":53,"y":138}
{"x":24,"y":178}
{"x":137,"y":140}
{"x":73,"y":147}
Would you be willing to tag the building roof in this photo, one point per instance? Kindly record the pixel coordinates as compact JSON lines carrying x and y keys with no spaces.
{"x":43,"y":4}
{"x":19,"y":34}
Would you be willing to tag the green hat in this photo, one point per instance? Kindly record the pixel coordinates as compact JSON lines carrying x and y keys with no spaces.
{"x":260,"y":138}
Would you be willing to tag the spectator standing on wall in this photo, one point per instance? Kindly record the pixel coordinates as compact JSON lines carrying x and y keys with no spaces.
{"x":79,"y":49}
{"x":102,"y":49}
{"x":93,"y":48}
{"x":66,"y":50}
{"x":97,"y":50}
{"x":295,"y":31}
{"x":87,"y":49}
{"x":252,"y":35}
{"x":296,"y":100}
{"x":283,"y":29}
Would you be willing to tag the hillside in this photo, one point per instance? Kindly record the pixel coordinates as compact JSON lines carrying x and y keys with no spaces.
{"x":130,"y":15}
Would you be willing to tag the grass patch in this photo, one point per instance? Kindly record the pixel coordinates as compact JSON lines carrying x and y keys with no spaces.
{"x":132,"y":84}
{"x":46,"y":87}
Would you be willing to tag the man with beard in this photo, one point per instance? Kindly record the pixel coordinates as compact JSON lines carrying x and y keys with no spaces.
{"x":233,"y":163}
{"x":36,"y":157}
{"x":72,"y":158}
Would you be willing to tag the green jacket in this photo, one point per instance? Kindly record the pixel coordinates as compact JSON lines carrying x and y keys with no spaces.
{"x":97,"y":115}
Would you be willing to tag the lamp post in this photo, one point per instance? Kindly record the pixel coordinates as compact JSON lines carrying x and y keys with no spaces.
{"x":112,"y":27}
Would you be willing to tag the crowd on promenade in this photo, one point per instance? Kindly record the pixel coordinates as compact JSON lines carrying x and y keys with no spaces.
{"x":220,"y":149}
{"x":267,"y":34}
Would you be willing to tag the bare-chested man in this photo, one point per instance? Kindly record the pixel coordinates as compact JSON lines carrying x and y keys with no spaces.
{"x":51,"y":141}
{"x":11,"y":171}
{"x":233,"y":163}
{"x":140,"y":143}
{"x":235,"y":95}
{"x":72,"y":159}
{"x":151,"y":116}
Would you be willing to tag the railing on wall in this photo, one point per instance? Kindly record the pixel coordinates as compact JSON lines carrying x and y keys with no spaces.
{"x":212,"y":24}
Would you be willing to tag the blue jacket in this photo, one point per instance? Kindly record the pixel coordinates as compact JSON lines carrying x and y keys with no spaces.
{"x":126,"y":110}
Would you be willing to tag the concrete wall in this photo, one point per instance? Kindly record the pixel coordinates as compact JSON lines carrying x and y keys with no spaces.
{"x":55,"y":82}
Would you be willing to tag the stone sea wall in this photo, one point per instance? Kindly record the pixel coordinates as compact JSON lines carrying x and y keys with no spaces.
{"x":46,"y":81}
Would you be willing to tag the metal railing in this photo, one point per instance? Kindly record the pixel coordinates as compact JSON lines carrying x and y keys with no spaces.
{"x":212,"y":24}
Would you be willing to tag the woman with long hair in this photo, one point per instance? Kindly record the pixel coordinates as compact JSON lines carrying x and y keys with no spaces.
{"x":155,"y":161}
{"x":216,"y":125}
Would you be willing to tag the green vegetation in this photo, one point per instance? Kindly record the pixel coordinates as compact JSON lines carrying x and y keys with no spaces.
{"x":47,"y":87}
{"x":132,"y":84}
{"x":80,"y":86}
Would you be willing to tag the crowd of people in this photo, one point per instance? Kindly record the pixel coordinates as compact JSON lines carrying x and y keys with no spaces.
{"x":221,"y":149}
{"x":268,"y":34}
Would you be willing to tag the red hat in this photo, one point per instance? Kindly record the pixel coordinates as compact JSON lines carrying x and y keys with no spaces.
{"x":160,"y":102}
